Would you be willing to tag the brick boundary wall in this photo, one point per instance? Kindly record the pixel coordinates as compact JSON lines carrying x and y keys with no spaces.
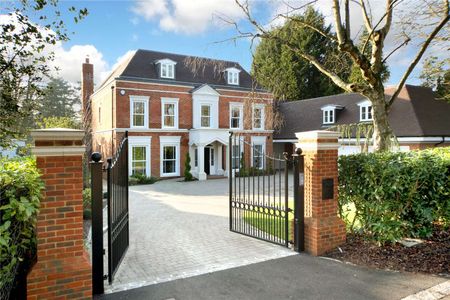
{"x":324,"y":230}
{"x":63,"y":270}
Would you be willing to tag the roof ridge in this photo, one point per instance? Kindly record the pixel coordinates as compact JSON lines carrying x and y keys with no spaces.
{"x":321,"y":97}
{"x":194,"y":56}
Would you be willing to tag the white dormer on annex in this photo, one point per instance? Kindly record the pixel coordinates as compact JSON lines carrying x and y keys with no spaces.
{"x":329,"y":113}
{"x":365,"y":111}
{"x":232,"y":75}
{"x":166,"y":68}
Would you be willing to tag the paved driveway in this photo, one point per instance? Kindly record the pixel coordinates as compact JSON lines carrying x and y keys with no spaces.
{"x":180,"y":229}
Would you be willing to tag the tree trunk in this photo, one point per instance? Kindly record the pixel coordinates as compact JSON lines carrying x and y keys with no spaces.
{"x":382,"y":132}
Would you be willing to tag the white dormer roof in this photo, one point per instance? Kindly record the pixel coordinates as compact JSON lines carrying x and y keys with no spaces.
{"x":332,"y":106}
{"x":365,"y":102}
{"x":232,"y":70}
{"x":166,"y":61}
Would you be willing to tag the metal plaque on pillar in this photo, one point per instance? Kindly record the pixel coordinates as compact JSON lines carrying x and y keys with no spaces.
{"x":327,"y":188}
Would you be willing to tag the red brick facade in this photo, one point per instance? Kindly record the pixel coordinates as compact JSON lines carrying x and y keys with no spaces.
{"x":62,"y":270}
{"x":111,"y":116}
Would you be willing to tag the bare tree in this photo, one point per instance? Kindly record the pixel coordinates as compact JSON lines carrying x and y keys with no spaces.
{"x":423,"y":25}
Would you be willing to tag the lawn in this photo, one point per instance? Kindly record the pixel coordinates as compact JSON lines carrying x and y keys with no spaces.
{"x":274,"y":226}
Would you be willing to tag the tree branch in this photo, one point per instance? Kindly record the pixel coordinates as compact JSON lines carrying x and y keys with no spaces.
{"x":420,"y":53}
{"x":393,"y":51}
{"x":329,"y":36}
{"x":366,"y":17}
{"x":347,"y":18}
{"x":338,"y":22}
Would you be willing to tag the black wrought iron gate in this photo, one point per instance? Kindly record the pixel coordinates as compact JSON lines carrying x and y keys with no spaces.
{"x":117,"y":208}
{"x":118,"y":225}
{"x":262,"y":196}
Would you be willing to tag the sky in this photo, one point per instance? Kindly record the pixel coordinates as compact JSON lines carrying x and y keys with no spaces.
{"x":114,"y":29}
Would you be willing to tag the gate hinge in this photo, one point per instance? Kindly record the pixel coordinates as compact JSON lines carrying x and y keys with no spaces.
{"x":105,"y":277}
{"x":104,"y":252}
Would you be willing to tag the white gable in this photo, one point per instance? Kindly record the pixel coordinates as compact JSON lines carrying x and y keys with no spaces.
{"x":205,"y":90}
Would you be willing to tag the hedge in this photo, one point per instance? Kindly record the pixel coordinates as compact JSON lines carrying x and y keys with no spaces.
{"x":20,"y":192}
{"x":395,"y":195}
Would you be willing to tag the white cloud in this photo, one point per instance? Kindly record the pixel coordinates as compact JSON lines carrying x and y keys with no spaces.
{"x":69,"y":62}
{"x":190,"y":17}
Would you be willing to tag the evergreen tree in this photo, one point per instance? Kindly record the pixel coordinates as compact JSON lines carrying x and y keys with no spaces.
{"x":187,"y":168}
{"x":286,"y":74}
{"x":59,"y":99}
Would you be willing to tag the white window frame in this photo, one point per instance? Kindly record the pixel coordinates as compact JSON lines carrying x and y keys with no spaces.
{"x":173,"y":101}
{"x":168,"y":66}
{"x":169,"y":70}
{"x":210,"y":115}
{"x":173,"y":141}
{"x":239,"y":106}
{"x":328,"y":115}
{"x":240,"y":143}
{"x":261,"y":141}
{"x":262,"y":107}
{"x":137,"y":141}
{"x":143,"y":99}
{"x":365,"y":106}
{"x":233,"y":76}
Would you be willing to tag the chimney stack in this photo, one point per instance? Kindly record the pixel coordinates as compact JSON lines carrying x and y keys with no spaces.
{"x":87,"y":89}
{"x":87,"y":84}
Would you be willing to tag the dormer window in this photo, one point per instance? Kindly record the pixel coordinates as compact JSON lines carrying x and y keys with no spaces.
{"x":233,"y":76}
{"x":365,"y":111}
{"x":166,"y":68}
{"x":329,"y":113}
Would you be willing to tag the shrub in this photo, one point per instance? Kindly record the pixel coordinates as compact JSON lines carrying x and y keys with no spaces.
{"x":20,"y":193}
{"x":141,"y":179}
{"x":187,"y":168}
{"x":87,"y":203}
{"x":59,"y":122}
{"x":396,"y":195}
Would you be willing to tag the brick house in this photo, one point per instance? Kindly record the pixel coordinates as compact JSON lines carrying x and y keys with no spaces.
{"x":418,"y":120}
{"x":174,"y":104}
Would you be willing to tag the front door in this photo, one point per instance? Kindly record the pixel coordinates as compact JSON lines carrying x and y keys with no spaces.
{"x":207,"y":158}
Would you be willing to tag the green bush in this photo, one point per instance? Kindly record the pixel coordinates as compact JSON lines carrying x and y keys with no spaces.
{"x":395,"y":195}
{"x":141,"y":179}
{"x":59,"y":122}
{"x":20,"y":194}
{"x":187,"y":168}
{"x":87,"y":203}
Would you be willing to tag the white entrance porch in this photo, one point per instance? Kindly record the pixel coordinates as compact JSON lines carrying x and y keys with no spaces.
{"x":207,"y":148}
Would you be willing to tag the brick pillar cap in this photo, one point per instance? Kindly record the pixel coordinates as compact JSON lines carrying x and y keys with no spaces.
{"x":317,"y":134}
{"x":57,"y":142}
{"x":317,"y":140}
{"x":57,"y":134}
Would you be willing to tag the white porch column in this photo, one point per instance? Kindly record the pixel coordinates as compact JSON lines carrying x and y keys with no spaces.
{"x":192,"y":155}
{"x":227,"y":161}
{"x":201,"y":162}
{"x":219,"y":159}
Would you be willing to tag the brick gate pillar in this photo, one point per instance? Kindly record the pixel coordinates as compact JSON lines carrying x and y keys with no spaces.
{"x":324,"y":230}
{"x":62,"y":270}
